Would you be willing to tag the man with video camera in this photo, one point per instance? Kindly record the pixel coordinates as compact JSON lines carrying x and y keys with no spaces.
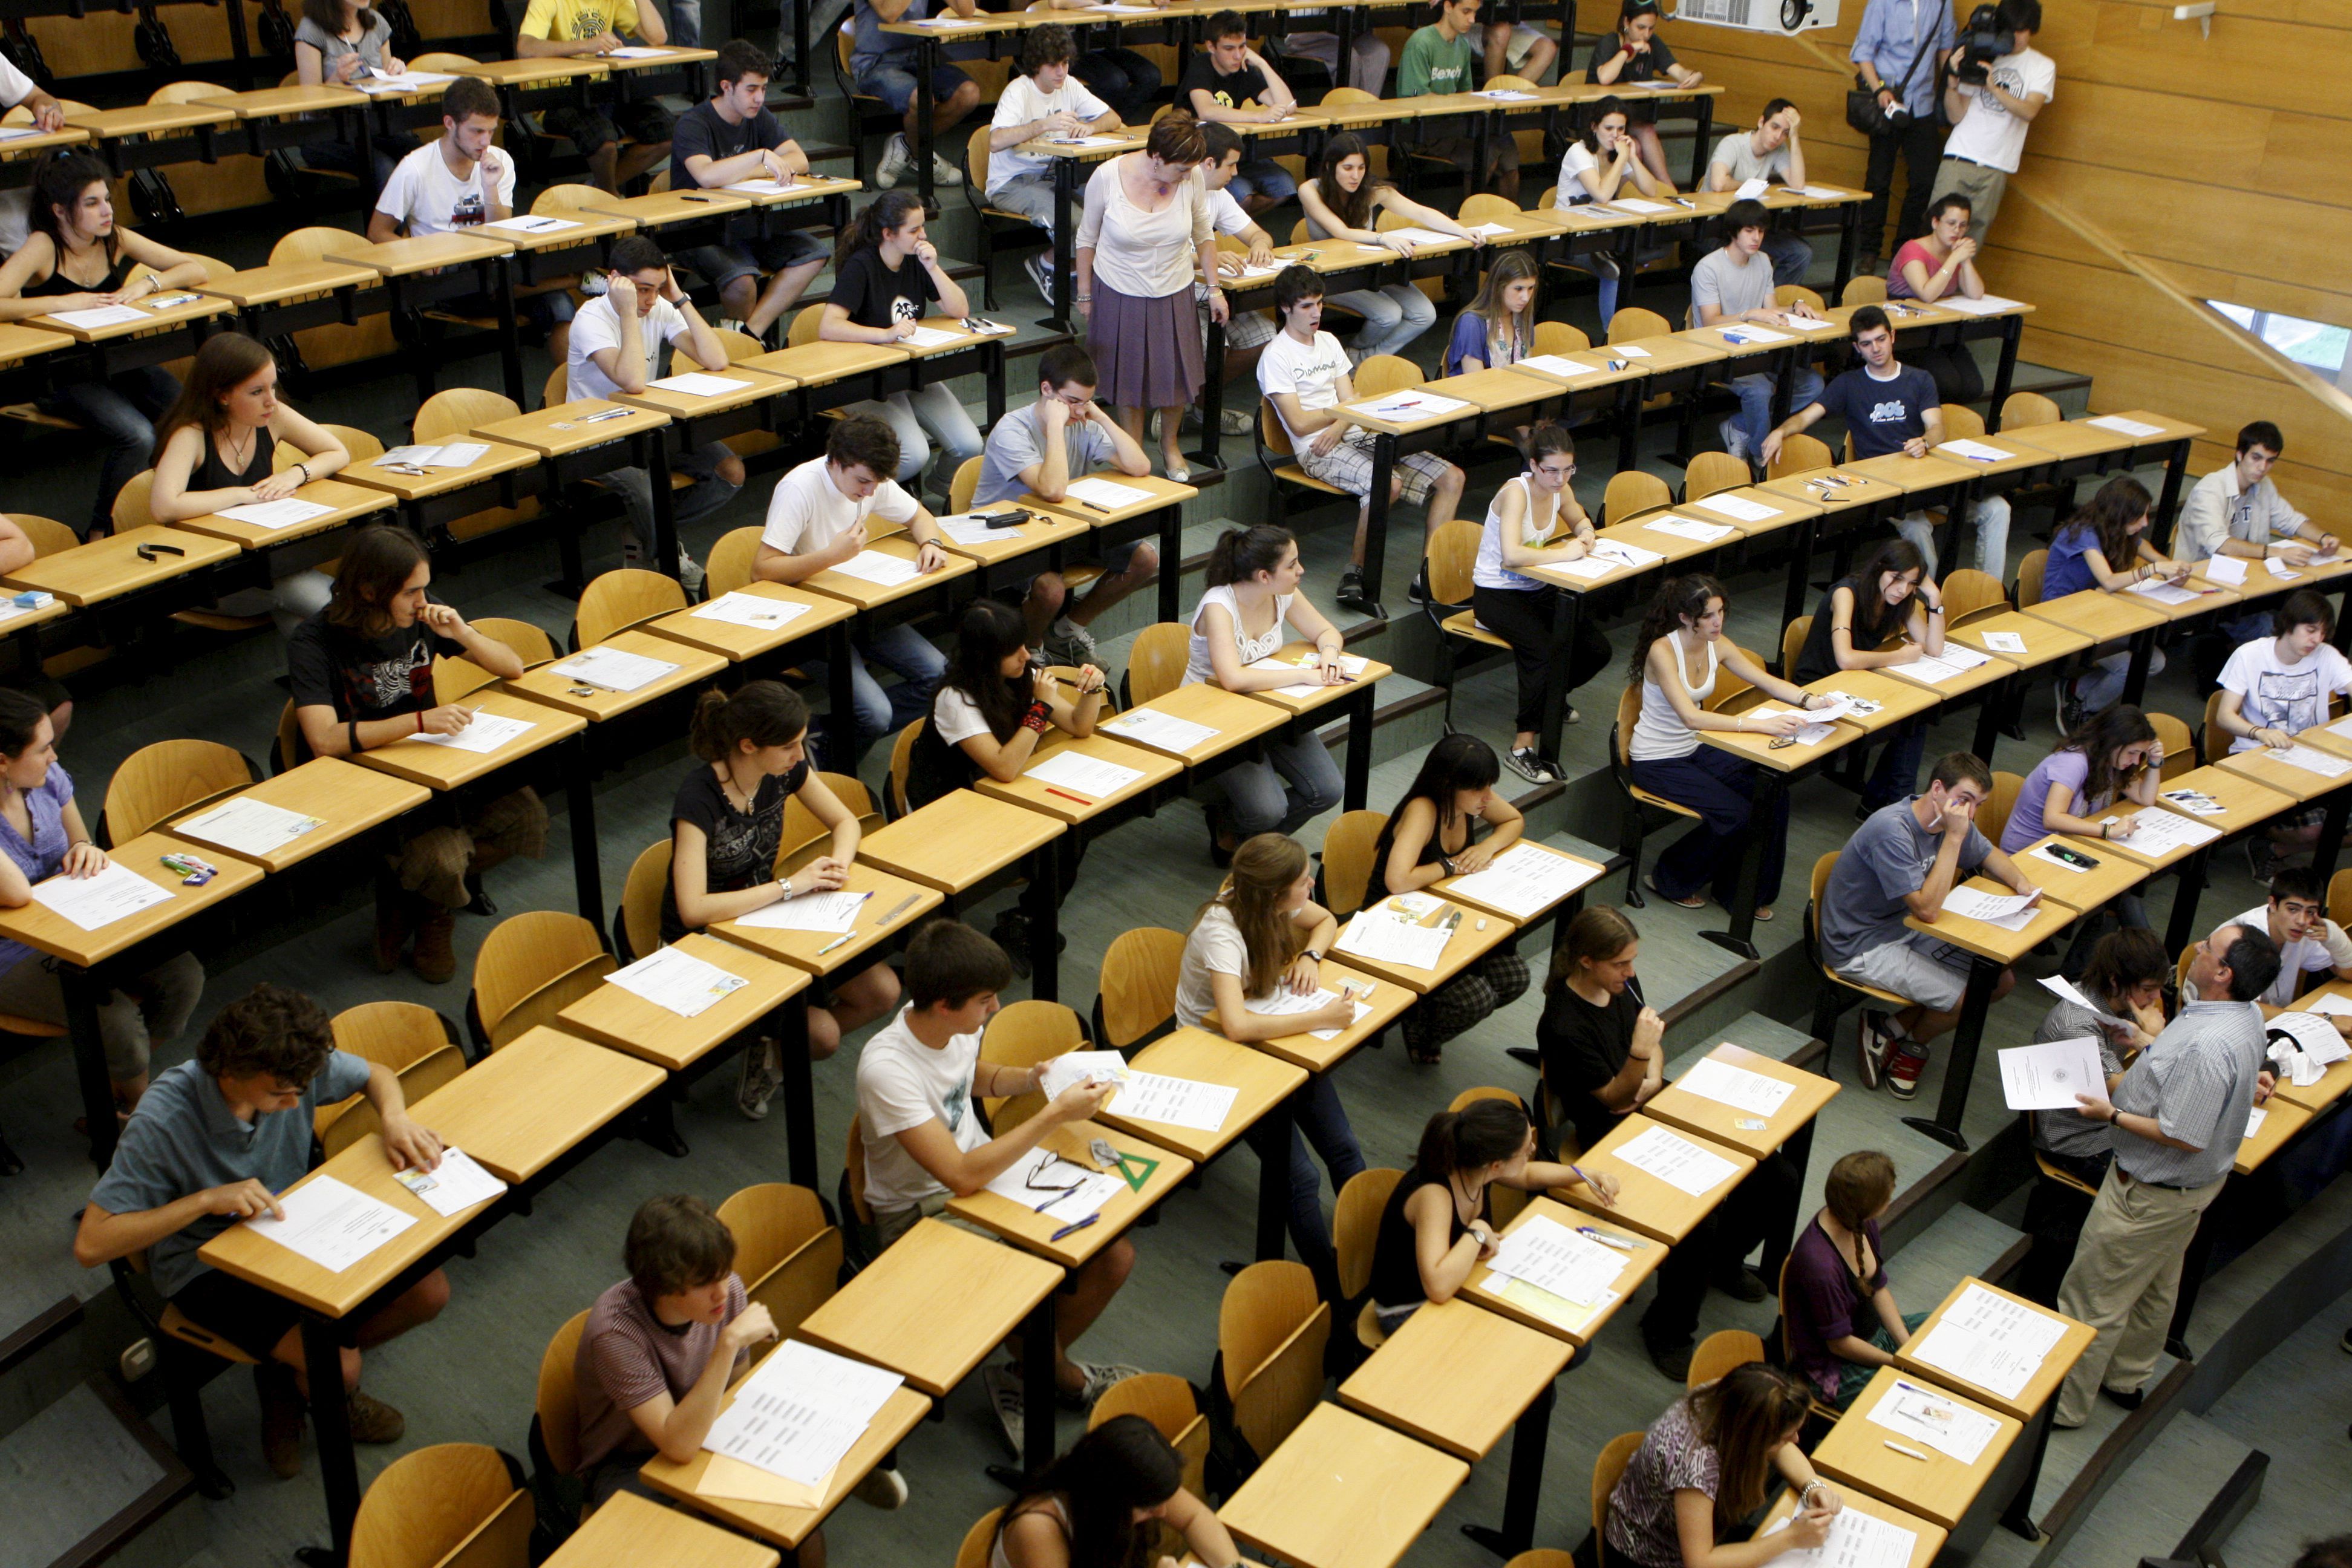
{"x":1895,"y":52}
{"x":1998,"y":83}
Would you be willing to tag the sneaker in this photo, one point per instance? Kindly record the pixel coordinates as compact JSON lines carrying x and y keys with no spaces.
{"x":762,"y":1075}
{"x":374,"y":1421}
{"x":1878,"y":1039}
{"x":1003,"y":1386}
{"x":885,"y":1490}
{"x":1735,"y":439}
{"x":1673,"y":1361}
{"x":1011,"y":933}
{"x":1040,"y":267}
{"x":1603,"y":266}
{"x":281,"y":1419}
{"x":1098,"y":1382}
{"x":1573,"y":716}
{"x":2070,"y":709}
{"x":592,"y":283}
{"x":729,"y":324}
{"x":1905,"y":1063}
{"x":1524,"y":762}
{"x":1741,"y":1284}
{"x":896,"y":159}
{"x":1067,"y":642}
{"x":944,"y":172}
{"x":1351,"y":595}
{"x":1234,"y":422}
{"x":1417,"y":591}
{"x":690,"y":574}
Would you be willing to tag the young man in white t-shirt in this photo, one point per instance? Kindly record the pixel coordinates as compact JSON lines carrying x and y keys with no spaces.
{"x":816,"y":520}
{"x":1989,"y":120}
{"x":615,"y":347}
{"x":1304,"y":374}
{"x":2274,"y":687}
{"x":1045,"y":100}
{"x":2308,"y":941}
{"x":918,"y":1078}
{"x":464,"y":182}
{"x":17,"y":91}
{"x":2237,"y":511}
{"x":1773,"y":151}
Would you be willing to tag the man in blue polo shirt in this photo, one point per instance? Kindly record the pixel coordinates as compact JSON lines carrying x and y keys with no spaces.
{"x":215,"y":1140}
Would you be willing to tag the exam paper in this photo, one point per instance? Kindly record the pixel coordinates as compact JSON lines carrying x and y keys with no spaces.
{"x":1507,"y":94}
{"x":1587,"y":568}
{"x":1059,"y":1190}
{"x":92,"y":902}
{"x":2229,"y":569}
{"x":1080,"y":142}
{"x":1629,"y":351}
{"x":677,"y":980}
{"x":331,"y":1223}
{"x":2004,"y":642}
{"x":1164,"y":731}
{"x":635,"y":52}
{"x":1990,"y":305}
{"x":1687,"y":528}
{"x":2312,"y":761}
{"x":1935,"y":1420}
{"x":255,"y":826}
{"x":758,"y":187}
{"x":2196,"y":801}
{"x":406,"y":82}
{"x":1078,"y":1067}
{"x":1416,"y":235}
{"x":1092,"y":778}
{"x":1976,"y":451}
{"x":483,"y":732}
{"x":1855,"y":1540}
{"x":2121,"y":426}
{"x":967,"y":530}
{"x":2315,"y":1034}
{"x":99,"y":316}
{"x":835,"y":911}
{"x":874,"y":566}
{"x":1736,"y":1087}
{"x":1751,"y":190}
{"x":1636,"y":205}
{"x":1179,"y":1101}
{"x":2158,"y":832}
{"x":1677,"y":1162}
{"x":1815,"y":731}
{"x":615,"y":670}
{"x":2256,"y":1116}
{"x":1490,"y":230}
{"x":453,"y":1186}
{"x":930,"y":338}
{"x":1550,"y":1257}
{"x":695,"y":384}
{"x":1351,"y":665}
{"x":1385,"y":940}
{"x":1753,"y":334}
{"x":2002,"y":1324}
{"x":1737,"y":507}
{"x":1284,"y":1002}
{"x":2048,"y":1077}
{"x":748,"y":610}
{"x":1523,"y":880}
{"x":2064,"y":990}
{"x":1954,"y":662}
{"x":452,"y":455}
{"x":1401,"y":406}
{"x":530,"y":223}
{"x":1556,"y":364}
{"x":283,"y":513}
{"x":1108,"y":494}
{"x":2162,"y":592}
{"x":800,"y":1412}
{"x":1624,"y":554}
{"x":2010,"y":911}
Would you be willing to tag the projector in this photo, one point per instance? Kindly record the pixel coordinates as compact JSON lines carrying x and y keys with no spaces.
{"x":1761,"y":16}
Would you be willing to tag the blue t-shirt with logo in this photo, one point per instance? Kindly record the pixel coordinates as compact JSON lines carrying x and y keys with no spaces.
{"x":1881,"y":414}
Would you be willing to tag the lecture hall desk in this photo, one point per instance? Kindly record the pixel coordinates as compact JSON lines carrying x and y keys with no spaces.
{"x":535,"y":1101}
{"x":1571,"y":1321}
{"x":1526,"y":919}
{"x":1342,"y":1491}
{"x":1235,"y":720}
{"x":1646,"y":1204}
{"x":1160,"y":518}
{"x":2245,"y":805}
{"x":962,"y":841}
{"x":1020,"y":1223}
{"x":1478,"y":934}
{"x":1384,"y":1000}
{"x":1924,"y":1550}
{"x":629,"y":1531}
{"x":1938,"y":1489}
{"x":1777,"y":769}
{"x":348,"y":800}
{"x":1313,"y":709}
{"x":1790,"y":1129}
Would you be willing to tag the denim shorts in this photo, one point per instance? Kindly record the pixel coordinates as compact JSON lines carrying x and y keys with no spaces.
{"x":895,"y":84}
{"x":750,"y":256}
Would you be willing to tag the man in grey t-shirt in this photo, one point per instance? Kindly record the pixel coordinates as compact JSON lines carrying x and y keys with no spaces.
{"x":1733,"y":286}
{"x":1902,"y":862}
{"x":1040,"y":450}
{"x":1771,"y":151}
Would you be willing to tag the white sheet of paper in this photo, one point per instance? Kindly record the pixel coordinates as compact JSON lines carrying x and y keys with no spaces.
{"x":1589,"y":569}
{"x":1350,"y":663}
{"x":1629,"y":351}
{"x":696,"y":384}
{"x":1556,"y":364}
{"x":968,"y":529}
{"x":1402,"y":406}
{"x":283,"y":513}
{"x":2048,"y":1077}
{"x":1737,"y":508}
{"x":1935,"y":1420}
{"x":1093,"y":778}
{"x":677,"y":980}
{"x":484,"y":733}
{"x":1976,"y":451}
{"x":1108,"y":494}
{"x":1082,"y":141}
{"x":930,"y":338}
{"x":98,"y":316}
{"x":2256,"y":1116}
{"x":2315,"y":1035}
{"x":1956,"y":661}
{"x":1746,"y":333}
{"x":1386,"y":941}
{"x":2162,"y":592}
{"x":93,"y":902}
{"x":2310,"y":760}
{"x":1688,"y":527}
{"x":2229,"y":569}
{"x":2122,"y":426}
{"x":453,"y":1186}
{"x":1417,"y":236}
{"x":1824,"y":192}
{"x":331,"y":1223}
{"x":449,"y":454}
{"x":874,"y":566}
{"x":1179,"y":1101}
{"x":2065,"y":991}
{"x":616,"y":670}
{"x":1490,"y":230}
{"x":1078,"y":1067}
{"x":1815,"y":731}
{"x":949,"y":21}
{"x":758,"y":187}
{"x":1625,"y":554}
{"x":635,"y":52}
{"x":2010,"y":911}
{"x":809,"y":912}
{"x":2047,"y":854}
{"x":255,"y":826}
{"x":1636,"y":205}
{"x":1165,"y":731}
{"x":750,"y":610}
{"x":1736,"y":1087}
{"x":1064,"y":1192}
{"x":2158,"y":832}
{"x":1524,"y":880}
{"x":406,"y":82}
{"x":1855,"y":1540}
{"x":1990,"y":305}
{"x":1751,"y":190}
{"x":1550,"y":1257}
{"x":2004,"y":642}
{"x":800,"y":1412}
{"x":1998,"y":1321}
{"x":2339,"y":1006}
{"x":530,"y":223}
{"x":1677,"y":1162}
{"x":1286,"y":1002}
{"x":1507,"y":94}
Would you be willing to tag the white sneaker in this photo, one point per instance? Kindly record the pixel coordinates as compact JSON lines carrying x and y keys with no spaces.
{"x":689,"y":573}
{"x":885,"y":1490}
{"x":1003,"y":1386}
{"x":1040,"y":269}
{"x":896,"y":159}
{"x":944,"y":172}
{"x":1735,"y":439}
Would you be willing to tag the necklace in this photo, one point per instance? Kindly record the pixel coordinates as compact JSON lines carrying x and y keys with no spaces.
{"x":238,"y":459}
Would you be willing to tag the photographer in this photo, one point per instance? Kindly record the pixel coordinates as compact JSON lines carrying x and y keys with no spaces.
{"x":1895,"y":52}
{"x":1990,"y":97}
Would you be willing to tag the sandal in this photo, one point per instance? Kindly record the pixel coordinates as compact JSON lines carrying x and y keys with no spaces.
{"x":1692,"y":902}
{"x":1764,"y":913}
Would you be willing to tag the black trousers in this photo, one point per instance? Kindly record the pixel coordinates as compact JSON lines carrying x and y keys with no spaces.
{"x":1522,"y":617}
{"x":1920,"y":144}
{"x":1765,"y":1199}
{"x":1957,"y":379}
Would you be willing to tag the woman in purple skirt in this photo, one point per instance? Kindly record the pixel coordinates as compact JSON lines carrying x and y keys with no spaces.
{"x":1145,"y":238}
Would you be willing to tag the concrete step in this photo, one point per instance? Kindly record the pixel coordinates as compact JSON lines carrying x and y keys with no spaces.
{"x":79,"y":1484}
{"x":2155,"y":1500}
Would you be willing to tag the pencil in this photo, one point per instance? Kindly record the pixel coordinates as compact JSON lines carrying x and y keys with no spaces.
{"x":1066,"y":794}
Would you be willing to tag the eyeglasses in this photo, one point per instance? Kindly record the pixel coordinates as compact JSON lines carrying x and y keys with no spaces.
{"x":1034,"y":1181}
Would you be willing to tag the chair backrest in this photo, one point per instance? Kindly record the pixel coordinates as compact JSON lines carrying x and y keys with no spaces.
{"x":559,"y":1396}
{"x":1543,"y":1557}
{"x":1271,"y":1334}
{"x":1356,"y":1226}
{"x":1800,"y":454}
{"x":429,"y":1503}
{"x":1819,"y":881}
{"x":980,"y":1538}
{"x":902,"y":758}
{"x":975,"y":157}
{"x":1869,"y":288}
{"x":2028,"y":578}
{"x":131,"y":508}
{"x":1166,"y":1401}
{"x":2179,"y":750}
{"x":556,"y":388}
{"x":1968,"y":592}
{"x":1138,"y":986}
{"x":1451,"y":551}
{"x":1962,"y":423}
{"x":46,"y":534}
{"x":1560,"y":338}
{"x":1788,"y":294}
{"x":2339,"y":897}
{"x":621,"y":598}
{"x":1632,"y":321}
{"x":415,"y":1042}
{"x":728,"y":565}
{"x":568,"y":197}
{"x":853,"y":1175}
{"x":323,"y":347}
{"x":1710,"y":472}
{"x":459,"y":410}
{"x":1719,"y":1352}
{"x":1793,"y":644}
{"x":1733,"y":693}
{"x":2212,"y":739}
{"x":530,"y":643}
{"x":1383,"y":374}
{"x":802,"y":331}
{"x":1155,"y":665}
{"x":1021,"y":1035}
{"x":1488,"y":207}
{"x":1621,"y":734}
{"x":1994,"y":815}
{"x":1348,"y":868}
{"x":1272,"y":433}
{"x":364,"y":446}
{"x":1607,"y":1471}
{"x":2021,"y":409}
{"x":787,"y":1252}
{"x":290,"y":744}
{"x":1633,"y":491}
{"x":443,"y":61}
{"x":641,"y":901}
{"x":962,"y":488}
{"x":530,"y":967}
{"x":167,"y":778}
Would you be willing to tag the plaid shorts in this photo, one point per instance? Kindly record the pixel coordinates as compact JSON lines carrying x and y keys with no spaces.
{"x":1244,"y":329}
{"x":1349,"y":466}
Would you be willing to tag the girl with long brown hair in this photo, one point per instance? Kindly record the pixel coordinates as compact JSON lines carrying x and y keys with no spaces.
{"x":1706,"y":1466}
{"x":2105,"y":546}
{"x":336,"y":44}
{"x":879,"y":298}
{"x":1344,"y":200}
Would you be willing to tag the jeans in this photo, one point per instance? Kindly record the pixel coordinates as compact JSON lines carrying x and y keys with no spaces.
{"x":686,"y":24}
{"x":1394,"y":316}
{"x":1319,"y":1119}
{"x":1789,"y":255}
{"x":1898,"y":773}
{"x":1368,"y":64}
{"x":1722,"y":790}
{"x":1755,"y":416}
{"x":932,"y":413}
{"x":905,"y":652}
{"x":692,"y":504}
{"x":1990,"y":516}
{"x":121,"y":411}
{"x":2101,"y":687}
{"x":1920,"y":145}
{"x":1292,"y":781}
{"x":1122,"y":79}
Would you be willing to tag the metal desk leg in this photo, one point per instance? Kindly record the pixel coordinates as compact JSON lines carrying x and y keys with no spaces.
{"x":1376,"y":521}
{"x":1037,"y":1386}
{"x":1741,"y":938}
{"x":1271,"y":1137}
{"x":1038,"y":901}
{"x":1849,"y":228}
{"x":1961,"y":1064}
{"x":800,"y":10}
{"x":1530,"y":1436}
{"x":839,"y":700}
{"x":331,"y":1414}
{"x":509,"y":338}
{"x":800,"y":1093}
{"x":653,"y":449}
{"x":82,"y":990}
{"x":2143,"y":653}
{"x":2331,"y":836}
{"x":1992,"y":701}
{"x":2168,"y":505}
{"x":1357,"y":778}
{"x":1801,"y":565}
{"x":1065,"y":180}
{"x":2013,"y":334}
{"x":1171,"y":558}
{"x":2018,"y":1515}
{"x":1212,"y":395}
{"x":2188,"y":888}
{"x":1565,"y":608}
{"x":993,"y":365}
{"x":579,"y":805}
{"x":927,"y":63}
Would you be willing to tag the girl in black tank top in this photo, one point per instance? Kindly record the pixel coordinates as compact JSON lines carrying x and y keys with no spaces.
{"x":1890,"y":594}
{"x":217,"y":445}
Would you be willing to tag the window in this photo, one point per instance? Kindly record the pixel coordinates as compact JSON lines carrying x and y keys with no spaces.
{"x":2317,"y":345}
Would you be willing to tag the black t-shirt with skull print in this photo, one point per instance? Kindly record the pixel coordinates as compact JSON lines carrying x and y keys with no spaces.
{"x":364,"y":678}
{"x":875,"y":295}
{"x":738,"y":848}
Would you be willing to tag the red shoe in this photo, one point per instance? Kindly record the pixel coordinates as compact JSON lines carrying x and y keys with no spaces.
{"x":1904,"y":1062}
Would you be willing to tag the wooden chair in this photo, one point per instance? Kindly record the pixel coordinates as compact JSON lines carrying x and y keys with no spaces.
{"x":232,"y":182}
{"x":2052,"y":1171}
{"x":1733,"y":694}
{"x":2181,"y":972}
{"x":1271,"y":1333}
{"x":2021,"y":410}
{"x":902,"y":758}
{"x":2179,"y":751}
{"x":1962,"y":423}
{"x":2339,"y":897}
{"x":1633,"y":491}
{"x":979,"y":1540}
{"x":453,"y":415}
{"x":1348,"y":868}
{"x":1448,"y":559}
{"x":2213,"y":739}
{"x":787,"y":1251}
{"x":1635,"y":824}
{"x":1607,"y":1471}
{"x":447,"y":1503}
{"x":1971,"y":595}
{"x":555,"y":1413}
{"x":1155,"y":665}
{"x":1837,"y":993}
{"x":456,"y":679}
{"x":1355,"y":1233}
{"x":1792,"y":645}
{"x":2028,"y":578}
{"x":531,"y":966}
{"x":1800,"y":454}
{"x":1274,"y":445}
{"x":1381,"y":374}
{"x":1543,"y":1557}
{"x":620,"y":599}
{"x":1002,"y":232}
{"x":1136,"y":996}
{"x":1488,"y":207}
{"x":1560,"y":338}
{"x":1166,"y":1401}
{"x":1632,"y":324}
{"x":323,"y":348}
{"x":1788,"y":294}
{"x":636,"y":924}
{"x":1719,"y":1352}
{"x":1022,"y":1036}
{"x":1869,"y":288}
{"x":1710,"y":472}
{"x":166,"y":779}
{"x":46,"y":534}
{"x":1994,"y":815}
{"x":415,"y":1041}
{"x":727,"y":567}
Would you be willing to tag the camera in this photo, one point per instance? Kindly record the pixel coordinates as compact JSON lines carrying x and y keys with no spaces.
{"x":1988,"y":36}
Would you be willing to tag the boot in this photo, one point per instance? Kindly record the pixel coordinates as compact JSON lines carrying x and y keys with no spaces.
{"x":391,"y":925}
{"x":434,"y":960}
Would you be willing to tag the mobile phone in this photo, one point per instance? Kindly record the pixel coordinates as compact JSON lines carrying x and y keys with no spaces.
{"x":2074,"y":857}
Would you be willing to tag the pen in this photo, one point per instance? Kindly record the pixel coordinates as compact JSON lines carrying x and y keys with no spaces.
{"x":1073,"y":1226}
{"x":1908,"y":1452}
{"x":1091,"y":507}
{"x":836,"y":941}
{"x":1620,"y":1243}
{"x":687,"y":198}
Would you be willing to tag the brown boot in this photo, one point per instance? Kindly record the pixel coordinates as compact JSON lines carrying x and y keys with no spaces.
{"x":374,"y":1421}
{"x":434,"y":959}
{"x":391,"y":925}
{"x":281,"y":1419}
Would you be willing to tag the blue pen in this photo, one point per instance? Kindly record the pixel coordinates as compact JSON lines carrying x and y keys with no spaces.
{"x":1073,"y":1226}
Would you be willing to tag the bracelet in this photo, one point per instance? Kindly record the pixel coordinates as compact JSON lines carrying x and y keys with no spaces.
{"x":1036,"y":718}
{"x":1805,"y":1498}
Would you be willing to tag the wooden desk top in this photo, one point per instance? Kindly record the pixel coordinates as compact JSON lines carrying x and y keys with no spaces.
{"x":1998,"y":943}
{"x":1021,"y":1225}
{"x":517,"y":73}
{"x":1786,"y":510}
{"x":1680,"y":1109}
{"x":1520,"y":227}
{"x":1913,"y":476}
{"x":754,"y":386}
{"x":814,"y":365}
{"x":802,"y":950}
{"x":1923,"y":1550}
{"x":283,"y":102}
{"x":803,"y":188}
{"x":2154,"y":860}
{"x":737,"y":643}
{"x":1638,"y":532}
{"x":1741,"y":339}
{"x":1841,"y":488}
{"x":662,"y":208}
{"x":2281,"y":1120}
{"x":616,"y":1016}
{"x":1386,"y":999}
{"x":864,"y":596}
{"x":440,"y":767}
{"x":2335,"y":739}
{"x":1235,"y":719}
{"x":2263,"y":765}
{"x":1327,"y":257}
{"x":1755,"y":746}
{"x":2338,"y":1079}
{"x":1493,"y":389}
{"x":2068,"y":438}
{"x":36,"y":142}
{"x":786,"y":1527}
{"x":345,"y":501}
{"x":953,"y":326}
{"x":2168,"y":428}
{"x":2244,"y":800}
{"x":665,"y":56}
{"x":424,"y":253}
{"x":1898,"y":700}
{"x":958,"y":841}
{"x":1938,"y":1489}
{"x":1342,"y":1491}
{"x":2100,"y":616}
{"x":558,"y":690}
{"x":1423,"y":416}
{"x":38,"y":926}
{"x":104,"y":568}
{"x":1668,"y":352}
{"x":1261,"y":1080}
{"x":629,"y":1529}
{"x":2041,"y":1385}
{"x":244,"y":1254}
{"x":201,"y":308}
{"x":1043,"y":528}
{"x":1556,"y":1315}
{"x":1164,"y":493}
{"x":580,"y":225}
{"x":1583,"y":368}
{"x":13,"y":620}
{"x":964,"y":27}
{"x":1451,"y":887}
{"x":2016,"y":456}
{"x":1903,"y":315}
{"x":1087,"y":146}
{"x":19,"y":342}
{"x":1321,"y":695}
{"x":932,"y":1306}
{"x":1648,"y":1204}
{"x":527,"y":1104}
{"x":1996,"y":666}
{"x":566,"y":427}
{"x":501,"y":458}
{"x":147,"y":119}
{"x":294,"y":281}
{"x":2046,"y":642}
{"x":1581,"y":217}
{"x":2210,"y":599}
{"x":349,"y":800}
{"x":1456,"y":1377}
{"x":1478,"y":933}
{"x":1054,"y":801}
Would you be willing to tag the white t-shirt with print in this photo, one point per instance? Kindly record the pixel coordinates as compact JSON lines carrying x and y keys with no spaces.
{"x":2325,"y":949}
{"x":2274,"y":696}
{"x":808,"y":512}
{"x":1989,"y":133}
{"x":1308,"y":371}
{"x":1023,"y":104}
{"x":425,"y":196}
{"x":1215,"y":947}
{"x":956,"y":717}
{"x":901,"y":1084}
{"x":597,"y":327}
